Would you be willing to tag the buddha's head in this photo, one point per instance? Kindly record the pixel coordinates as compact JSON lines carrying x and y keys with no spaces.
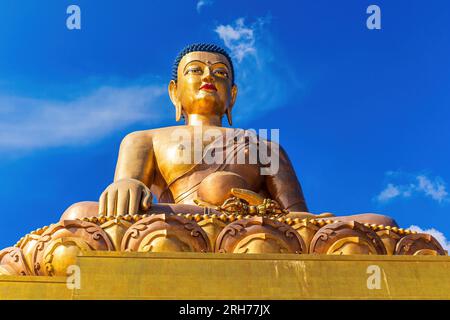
{"x":203,"y":82}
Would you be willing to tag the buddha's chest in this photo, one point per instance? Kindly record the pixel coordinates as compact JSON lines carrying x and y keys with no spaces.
{"x":182,"y":157}
{"x":174,"y":159}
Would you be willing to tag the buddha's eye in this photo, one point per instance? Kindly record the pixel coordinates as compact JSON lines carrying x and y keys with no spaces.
{"x":221,"y":73}
{"x":194,"y":70}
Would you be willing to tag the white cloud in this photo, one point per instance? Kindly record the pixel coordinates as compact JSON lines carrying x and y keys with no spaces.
{"x":28,"y":123}
{"x":410,"y":184}
{"x":436,"y":190}
{"x":238,"y":38}
{"x":260,"y":77}
{"x":390,"y":192}
{"x":203,"y":3}
{"x":439,"y":236}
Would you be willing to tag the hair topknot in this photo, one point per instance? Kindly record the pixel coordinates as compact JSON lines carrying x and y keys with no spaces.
{"x":207,"y":47}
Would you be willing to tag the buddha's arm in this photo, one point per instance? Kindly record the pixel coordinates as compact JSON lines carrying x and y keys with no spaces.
{"x":130,"y":193}
{"x":136,"y":158}
{"x":284,"y":186}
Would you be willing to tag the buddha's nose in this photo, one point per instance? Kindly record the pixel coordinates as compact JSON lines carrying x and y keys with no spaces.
{"x":207,"y":76}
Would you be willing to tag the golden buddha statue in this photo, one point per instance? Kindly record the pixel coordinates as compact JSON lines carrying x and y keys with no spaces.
{"x":203,"y":91}
{"x":218,"y":190}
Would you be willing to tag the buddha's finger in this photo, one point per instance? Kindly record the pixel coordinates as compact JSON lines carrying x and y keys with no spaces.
{"x":122,"y":202}
{"x":146,"y":202}
{"x":111,"y":203}
{"x":134,"y":200}
{"x":102,"y":203}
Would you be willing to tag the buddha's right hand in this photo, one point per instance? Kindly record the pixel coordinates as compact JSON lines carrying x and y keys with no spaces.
{"x":125,"y":196}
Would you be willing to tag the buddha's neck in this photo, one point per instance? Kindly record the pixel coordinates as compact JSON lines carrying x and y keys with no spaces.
{"x":201,"y":120}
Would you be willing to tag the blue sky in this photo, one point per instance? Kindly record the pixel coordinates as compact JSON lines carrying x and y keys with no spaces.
{"x":363,"y":114}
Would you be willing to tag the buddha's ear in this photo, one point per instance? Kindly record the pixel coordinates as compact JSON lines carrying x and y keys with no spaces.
{"x":229,"y":118}
{"x":234,"y":91}
{"x":173,"y":97}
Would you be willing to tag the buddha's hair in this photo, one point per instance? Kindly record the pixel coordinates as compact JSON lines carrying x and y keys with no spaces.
{"x":206,"y":47}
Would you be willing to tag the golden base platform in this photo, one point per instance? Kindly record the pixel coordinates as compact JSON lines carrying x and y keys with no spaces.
{"x":138,"y":275}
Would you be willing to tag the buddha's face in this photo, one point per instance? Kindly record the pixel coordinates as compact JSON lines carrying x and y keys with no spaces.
{"x":204,"y":84}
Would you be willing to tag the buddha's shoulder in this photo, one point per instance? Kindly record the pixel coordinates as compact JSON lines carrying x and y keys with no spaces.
{"x":151,"y":135}
{"x":165,"y":134}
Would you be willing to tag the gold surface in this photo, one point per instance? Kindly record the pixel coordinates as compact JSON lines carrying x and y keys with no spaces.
{"x":120,"y":275}
{"x":34,"y":288}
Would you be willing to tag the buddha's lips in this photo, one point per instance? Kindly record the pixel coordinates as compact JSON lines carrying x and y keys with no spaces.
{"x":208,"y":86}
